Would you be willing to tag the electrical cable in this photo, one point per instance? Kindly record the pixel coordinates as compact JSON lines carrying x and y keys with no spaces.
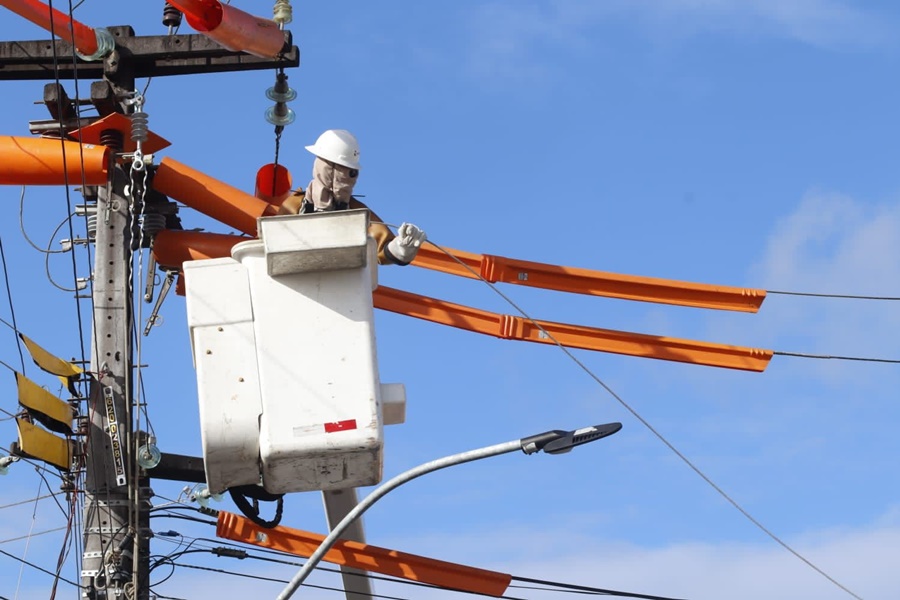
{"x":564,"y":587}
{"x":307,"y":585}
{"x":25,"y":234}
{"x":832,"y":357}
{"x":28,"y":538}
{"x":76,"y":499}
{"x":21,"y":502}
{"x":47,"y":254}
{"x":41,"y":569}
{"x":185,"y":518}
{"x":53,"y":496}
{"x":12,"y":311}
{"x":844,"y":296}
{"x":31,"y":535}
{"x":572,"y":588}
{"x":648,"y":426}
{"x":64,"y":550}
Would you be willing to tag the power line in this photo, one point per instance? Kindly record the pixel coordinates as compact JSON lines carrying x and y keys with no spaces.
{"x":833,"y":357}
{"x":580,"y":589}
{"x":308,"y":585}
{"x":12,"y":311}
{"x":31,"y":535}
{"x":29,"y":501}
{"x":647,"y":424}
{"x":844,"y":296}
{"x":41,"y":569}
{"x":560,"y":587}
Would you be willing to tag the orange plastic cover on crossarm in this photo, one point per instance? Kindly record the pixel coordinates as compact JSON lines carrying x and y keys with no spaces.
{"x":365,"y":557}
{"x":572,"y":336}
{"x":586,"y":281}
{"x":47,"y":161}
{"x":210,"y":196}
{"x":80,"y":35}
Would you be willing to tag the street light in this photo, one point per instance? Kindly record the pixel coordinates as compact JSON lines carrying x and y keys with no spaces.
{"x":556,"y":441}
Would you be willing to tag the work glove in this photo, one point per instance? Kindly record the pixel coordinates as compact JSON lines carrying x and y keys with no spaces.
{"x":404,"y":247}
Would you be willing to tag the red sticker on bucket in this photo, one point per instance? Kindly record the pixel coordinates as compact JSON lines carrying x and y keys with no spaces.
{"x":340,"y":426}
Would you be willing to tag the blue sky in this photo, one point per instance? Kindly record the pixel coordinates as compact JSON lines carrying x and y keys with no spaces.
{"x":726,"y":141}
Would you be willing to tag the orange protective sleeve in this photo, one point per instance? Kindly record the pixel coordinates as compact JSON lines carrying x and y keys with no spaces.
{"x":46,"y":161}
{"x":80,"y":35}
{"x":572,"y":336}
{"x":365,"y":557}
{"x":592,"y":283}
{"x":210,"y":196}
{"x":171,"y":247}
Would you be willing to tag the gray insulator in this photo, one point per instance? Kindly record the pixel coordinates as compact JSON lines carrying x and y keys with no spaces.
{"x":92,"y":227}
{"x":139,"y":128}
{"x":152,"y":223}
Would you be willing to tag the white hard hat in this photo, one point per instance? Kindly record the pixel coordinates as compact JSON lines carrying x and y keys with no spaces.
{"x":338,"y":146}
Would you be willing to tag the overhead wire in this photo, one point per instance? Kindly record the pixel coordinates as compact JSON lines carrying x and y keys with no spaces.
{"x":844,"y":296}
{"x":214,"y":545}
{"x":25,"y":233}
{"x":307,"y":585}
{"x":31,"y":535}
{"x":835,"y":357}
{"x":47,"y":254}
{"x":648,"y":426}
{"x":28,"y":538}
{"x":21,"y":502}
{"x":77,"y":480}
{"x":37,"y":568}
{"x":12,"y":310}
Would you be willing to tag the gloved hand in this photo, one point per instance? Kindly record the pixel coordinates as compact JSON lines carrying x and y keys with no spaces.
{"x":406,"y":245}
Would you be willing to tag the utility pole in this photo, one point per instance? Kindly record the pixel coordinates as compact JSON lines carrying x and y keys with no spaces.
{"x":116,"y":501}
{"x":111,"y":527}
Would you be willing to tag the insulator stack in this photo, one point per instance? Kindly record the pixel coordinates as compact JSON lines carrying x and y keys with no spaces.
{"x":152,"y":223}
{"x":92,"y":227}
{"x":280,"y":114}
{"x":112,"y":139}
{"x":282,"y":13}
{"x":139,"y":127}
{"x":171,"y":17}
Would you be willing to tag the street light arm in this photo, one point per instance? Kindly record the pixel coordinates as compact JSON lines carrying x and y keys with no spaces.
{"x":553,"y":442}
{"x":377,"y":493}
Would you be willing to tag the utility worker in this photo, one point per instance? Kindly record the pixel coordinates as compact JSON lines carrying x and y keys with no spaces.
{"x":335,"y":172}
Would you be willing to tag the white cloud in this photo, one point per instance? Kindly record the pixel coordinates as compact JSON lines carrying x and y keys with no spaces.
{"x":862,"y":560}
{"x":833,"y":244}
{"x":512,"y":40}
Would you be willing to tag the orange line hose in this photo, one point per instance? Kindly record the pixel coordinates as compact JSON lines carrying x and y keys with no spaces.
{"x":210,"y":196}
{"x":47,"y":161}
{"x":365,"y":557}
{"x":78,"y":34}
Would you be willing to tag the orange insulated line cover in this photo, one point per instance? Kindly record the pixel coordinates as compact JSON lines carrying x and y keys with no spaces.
{"x":46,"y":161}
{"x":592,"y":283}
{"x":572,"y":336}
{"x":171,"y":247}
{"x":78,"y":34}
{"x":210,"y":196}
{"x":365,"y":557}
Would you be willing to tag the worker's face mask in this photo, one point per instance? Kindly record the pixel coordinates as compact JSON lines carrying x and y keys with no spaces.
{"x":332,"y":185}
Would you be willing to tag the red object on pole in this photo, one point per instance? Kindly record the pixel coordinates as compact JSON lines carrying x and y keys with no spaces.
{"x":273,"y":184}
{"x":234,"y":28}
{"x":78,"y":34}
